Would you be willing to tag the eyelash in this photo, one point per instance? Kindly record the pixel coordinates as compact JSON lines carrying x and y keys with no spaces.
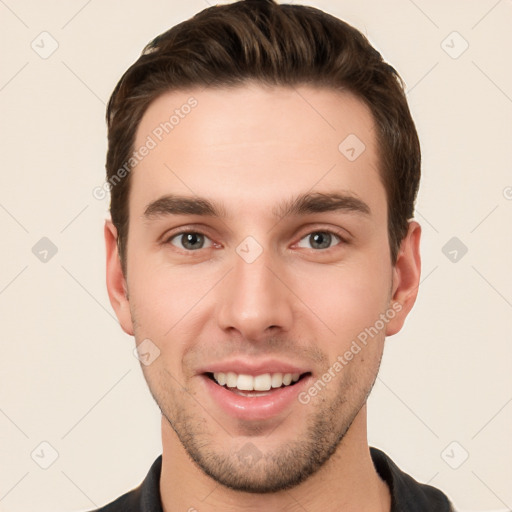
{"x":342,"y":239}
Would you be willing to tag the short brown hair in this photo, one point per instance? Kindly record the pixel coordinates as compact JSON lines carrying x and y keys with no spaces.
{"x":281,"y":45}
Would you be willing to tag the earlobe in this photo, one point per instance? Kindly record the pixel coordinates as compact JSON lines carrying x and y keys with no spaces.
{"x":116,"y":282}
{"x":406,"y":278}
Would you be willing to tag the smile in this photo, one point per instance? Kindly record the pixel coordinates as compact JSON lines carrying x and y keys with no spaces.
{"x":255,"y":397}
{"x":263,"y":382}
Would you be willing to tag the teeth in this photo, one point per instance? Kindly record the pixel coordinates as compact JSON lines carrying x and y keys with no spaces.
{"x":221,"y":378}
{"x":231,"y":379}
{"x":245,"y":383}
{"x":277,"y":380}
{"x":262,"y":382}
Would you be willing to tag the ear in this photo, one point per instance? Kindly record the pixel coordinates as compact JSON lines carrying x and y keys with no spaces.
{"x":116,"y":282}
{"x":406,"y":278}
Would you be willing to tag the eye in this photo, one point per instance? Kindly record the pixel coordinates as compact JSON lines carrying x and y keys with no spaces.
{"x":190,"y":241}
{"x":319,"y":240}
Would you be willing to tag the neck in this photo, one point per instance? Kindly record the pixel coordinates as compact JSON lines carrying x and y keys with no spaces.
{"x":347,"y":482}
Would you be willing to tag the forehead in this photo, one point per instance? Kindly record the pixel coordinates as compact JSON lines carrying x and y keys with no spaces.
{"x":254,"y":144}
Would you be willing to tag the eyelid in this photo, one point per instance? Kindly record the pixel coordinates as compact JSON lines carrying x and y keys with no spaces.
{"x":316,"y":227}
{"x":181,"y":230}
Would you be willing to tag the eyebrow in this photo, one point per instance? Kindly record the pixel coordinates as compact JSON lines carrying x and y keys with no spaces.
{"x":302,"y":205}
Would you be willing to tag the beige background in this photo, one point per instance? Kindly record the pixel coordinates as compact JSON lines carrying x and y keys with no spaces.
{"x":68,"y":374}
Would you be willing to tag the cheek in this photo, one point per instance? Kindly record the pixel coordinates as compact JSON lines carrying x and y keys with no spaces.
{"x":348,"y":298}
{"x":162,"y":297}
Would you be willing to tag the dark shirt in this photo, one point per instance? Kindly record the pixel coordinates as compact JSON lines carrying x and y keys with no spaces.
{"x":407,"y":495}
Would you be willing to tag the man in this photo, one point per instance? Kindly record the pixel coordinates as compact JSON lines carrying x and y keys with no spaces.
{"x":263,"y":167}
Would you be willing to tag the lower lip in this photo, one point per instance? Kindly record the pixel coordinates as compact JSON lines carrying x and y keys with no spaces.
{"x":254,"y":408}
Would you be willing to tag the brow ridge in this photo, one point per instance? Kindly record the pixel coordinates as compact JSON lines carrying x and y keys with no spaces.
{"x":303,"y":204}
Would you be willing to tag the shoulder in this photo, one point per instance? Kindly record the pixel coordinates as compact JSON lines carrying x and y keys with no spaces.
{"x":406,"y":493}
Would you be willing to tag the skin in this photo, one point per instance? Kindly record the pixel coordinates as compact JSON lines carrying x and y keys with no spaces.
{"x":250,"y":149}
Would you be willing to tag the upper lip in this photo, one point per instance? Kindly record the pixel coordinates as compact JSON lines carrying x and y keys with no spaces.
{"x":253,"y":368}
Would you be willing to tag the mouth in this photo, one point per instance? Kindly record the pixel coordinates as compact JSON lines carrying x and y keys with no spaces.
{"x":260,"y":392}
{"x":255,"y":385}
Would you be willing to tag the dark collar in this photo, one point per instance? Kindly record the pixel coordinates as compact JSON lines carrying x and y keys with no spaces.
{"x":407,"y":495}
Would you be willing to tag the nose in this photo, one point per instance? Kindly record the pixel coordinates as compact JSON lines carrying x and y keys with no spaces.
{"x":254,"y":299}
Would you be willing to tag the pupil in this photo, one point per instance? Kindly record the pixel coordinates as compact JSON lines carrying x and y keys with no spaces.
{"x":320,"y":240}
{"x":192,"y":241}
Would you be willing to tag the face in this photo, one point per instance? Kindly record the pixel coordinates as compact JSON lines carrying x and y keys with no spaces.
{"x":258,"y":265}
